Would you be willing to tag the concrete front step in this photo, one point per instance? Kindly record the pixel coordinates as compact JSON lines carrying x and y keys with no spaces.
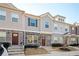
{"x":16,"y":55}
{"x":16,"y":47}
{"x":16,"y":50}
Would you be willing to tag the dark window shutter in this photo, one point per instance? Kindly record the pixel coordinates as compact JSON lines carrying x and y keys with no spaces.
{"x":28,"y":21}
{"x":36,"y":22}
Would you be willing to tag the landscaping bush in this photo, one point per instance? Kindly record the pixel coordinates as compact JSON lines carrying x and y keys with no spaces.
{"x":1,"y":50}
{"x":74,"y":44}
{"x":5,"y":44}
{"x":57,"y":45}
{"x":64,"y":49}
{"x":31,"y":46}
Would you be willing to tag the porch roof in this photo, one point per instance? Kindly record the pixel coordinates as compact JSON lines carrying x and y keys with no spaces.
{"x":43,"y":32}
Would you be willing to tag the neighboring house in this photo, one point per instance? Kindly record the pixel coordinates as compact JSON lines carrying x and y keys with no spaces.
{"x":46,"y":26}
{"x":59,"y":29}
{"x":20,"y":28}
{"x":74,"y":33}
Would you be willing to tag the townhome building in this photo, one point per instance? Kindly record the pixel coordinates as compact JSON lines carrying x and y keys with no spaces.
{"x":20,"y":28}
{"x":11,"y":24}
{"x":46,"y":26}
{"x":74,"y":33}
{"x":32,"y":29}
{"x":59,"y":29}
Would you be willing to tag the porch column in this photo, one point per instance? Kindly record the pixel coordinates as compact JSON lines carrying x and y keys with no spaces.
{"x":69,"y":40}
{"x":24,"y":35}
{"x":77,"y":40}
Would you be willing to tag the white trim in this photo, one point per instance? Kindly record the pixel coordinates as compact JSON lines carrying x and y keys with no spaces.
{"x":43,"y":32}
{"x":31,"y":31}
{"x":11,"y":29}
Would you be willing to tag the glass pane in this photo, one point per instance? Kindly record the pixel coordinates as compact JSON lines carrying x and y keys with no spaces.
{"x":32,"y":38}
{"x":14,"y":19}
{"x":33,"y":22}
{"x":2,"y":12}
{"x":2,"y":39}
{"x":2,"y":34}
{"x":2,"y":17}
{"x":35,"y":39}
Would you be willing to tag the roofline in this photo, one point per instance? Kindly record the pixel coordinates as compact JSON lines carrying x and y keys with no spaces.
{"x":62,"y":22}
{"x":31,"y":15}
{"x":56,"y":20}
{"x":59,"y":16}
{"x":12,"y":9}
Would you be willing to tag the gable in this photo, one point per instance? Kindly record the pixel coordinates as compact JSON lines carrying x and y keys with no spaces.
{"x":8,"y":5}
{"x":47,"y":15}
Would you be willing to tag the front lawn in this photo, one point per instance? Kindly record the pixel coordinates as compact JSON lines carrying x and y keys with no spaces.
{"x":35,"y":51}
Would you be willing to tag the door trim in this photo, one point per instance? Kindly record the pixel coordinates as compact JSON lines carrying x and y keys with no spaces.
{"x":15,"y":42}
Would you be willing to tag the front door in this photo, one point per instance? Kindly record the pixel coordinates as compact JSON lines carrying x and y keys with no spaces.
{"x":43,"y":40}
{"x":14,"y":38}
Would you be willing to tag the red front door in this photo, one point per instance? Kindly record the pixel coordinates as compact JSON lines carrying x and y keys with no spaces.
{"x":14,"y":38}
{"x":43,"y":40}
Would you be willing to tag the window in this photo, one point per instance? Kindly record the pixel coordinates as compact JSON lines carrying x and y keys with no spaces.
{"x":32,"y":22}
{"x":55,"y":28}
{"x":2,"y":36}
{"x":73,"y":28}
{"x":2,"y":14}
{"x":15,"y":17}
{"x":66,"y":29}
{"x":32,"y":39}
{"x":55,"y":39}
{"x":46,"y":25}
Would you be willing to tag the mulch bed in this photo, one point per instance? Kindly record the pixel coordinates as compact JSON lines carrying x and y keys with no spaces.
{"x":35,"y":51}
{"x":65,"y":49}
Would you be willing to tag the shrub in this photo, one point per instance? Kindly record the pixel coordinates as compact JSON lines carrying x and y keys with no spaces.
{"x":5,"y":44}
{"x":57,"y":45}
{"x":64,"y":49}
{"x":1,"y":50}
{"x":31,"y":46}
{"x":74,"y":44}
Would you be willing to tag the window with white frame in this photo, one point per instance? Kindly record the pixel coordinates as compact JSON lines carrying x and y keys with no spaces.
{"x":2,"y":36}
{"x":73,"y":28}
{"x":15,"y":17}
{"x":55,"y":27}
{"x":32,"y":22}
{"x":2,"y":14}
{"x":46,"y":24}
{"x":55,"y":39}
{"x":66,"y":29}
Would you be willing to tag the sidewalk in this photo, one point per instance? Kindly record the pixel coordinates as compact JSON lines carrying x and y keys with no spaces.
{"x":63,"y":53}
{"x":56,"y":53}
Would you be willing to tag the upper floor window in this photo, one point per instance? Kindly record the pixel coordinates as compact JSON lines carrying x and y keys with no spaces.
{"x":46,"y":25}
{"x":2,"y":14}
{"x":32,"y":22}
{"x":15,"y":17}
{"x":55,"y":28}
{"x":66,"y":29}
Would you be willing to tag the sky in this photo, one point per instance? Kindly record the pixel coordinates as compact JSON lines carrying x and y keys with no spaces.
{"x":68,"y":10}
